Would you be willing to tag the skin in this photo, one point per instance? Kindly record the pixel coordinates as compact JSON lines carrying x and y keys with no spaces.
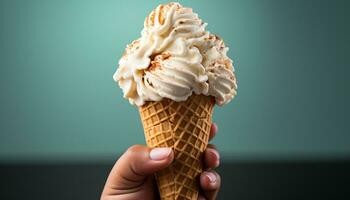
{"x":132,"y":175}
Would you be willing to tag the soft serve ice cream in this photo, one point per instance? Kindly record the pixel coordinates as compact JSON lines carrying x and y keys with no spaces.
{"x":174,"y":58}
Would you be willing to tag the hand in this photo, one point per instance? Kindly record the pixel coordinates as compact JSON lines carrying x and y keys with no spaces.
{"x":132,"y":175}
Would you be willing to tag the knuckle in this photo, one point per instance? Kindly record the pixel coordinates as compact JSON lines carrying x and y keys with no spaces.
{"x":134,"y":148}
{"x":135,"y":153}
{"x":135,"y":157}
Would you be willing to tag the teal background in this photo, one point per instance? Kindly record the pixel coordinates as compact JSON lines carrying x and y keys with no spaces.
{"x":58,"y":99}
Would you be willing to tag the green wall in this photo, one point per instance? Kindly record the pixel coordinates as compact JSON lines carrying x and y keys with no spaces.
{"x":58,"y":99}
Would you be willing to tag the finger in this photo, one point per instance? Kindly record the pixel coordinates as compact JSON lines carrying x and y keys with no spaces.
{"x":211,"y":158}
{"x":213,"y":130}
{"x":210,"y":182}
{"x":137,"y":163}
{"x":212,"y":146}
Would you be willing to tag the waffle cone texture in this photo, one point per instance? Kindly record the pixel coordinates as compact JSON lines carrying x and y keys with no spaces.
{"x":185,"y":127}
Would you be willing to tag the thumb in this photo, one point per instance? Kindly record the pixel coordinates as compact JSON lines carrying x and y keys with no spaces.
{"x":136,"y":164}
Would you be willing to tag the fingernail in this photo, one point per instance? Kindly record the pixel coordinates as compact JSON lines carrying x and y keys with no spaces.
{"x":211,"y":176}
{"x":159,"y":153}
{"x":216,"y":126}
{"x":217,"y":157}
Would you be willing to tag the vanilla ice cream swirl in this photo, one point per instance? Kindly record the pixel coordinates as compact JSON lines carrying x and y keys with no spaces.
{"x":175,"y":57}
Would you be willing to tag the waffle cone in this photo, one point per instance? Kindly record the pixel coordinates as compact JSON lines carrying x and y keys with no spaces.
{"x":185,"y":127}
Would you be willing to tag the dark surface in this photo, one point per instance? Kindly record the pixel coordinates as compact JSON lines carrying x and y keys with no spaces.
{"x":241,"y":180}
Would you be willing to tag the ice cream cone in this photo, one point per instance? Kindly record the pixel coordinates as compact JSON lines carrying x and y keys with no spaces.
{"x":185,"y":127}
{"x":175,"y":73}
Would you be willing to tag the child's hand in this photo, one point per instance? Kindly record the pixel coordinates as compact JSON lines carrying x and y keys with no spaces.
{"x":132,"y":175}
